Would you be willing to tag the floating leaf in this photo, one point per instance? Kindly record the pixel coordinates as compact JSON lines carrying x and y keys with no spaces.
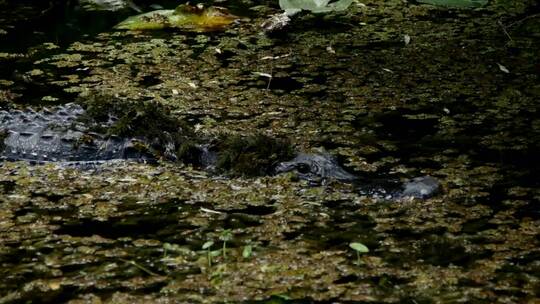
{"x":215,"y":253}
{"x":359,"y":247}
{"x":207,"y":245}
{"x":457,"y":3}
{"x":246,"y":253}
{"x":185,"y":17}
{"x":226,"y":235}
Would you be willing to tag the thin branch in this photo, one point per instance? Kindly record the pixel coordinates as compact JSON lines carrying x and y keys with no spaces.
{"x":505,"y":31}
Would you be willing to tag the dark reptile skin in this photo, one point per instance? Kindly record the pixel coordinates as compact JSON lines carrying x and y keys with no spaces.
{"x":56,"y":135}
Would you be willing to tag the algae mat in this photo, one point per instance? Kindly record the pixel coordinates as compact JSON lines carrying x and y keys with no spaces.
{"x":457,"y":99}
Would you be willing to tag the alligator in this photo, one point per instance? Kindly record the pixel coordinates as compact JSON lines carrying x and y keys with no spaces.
{"x":67,"y":136}
{"x":57,"y":135}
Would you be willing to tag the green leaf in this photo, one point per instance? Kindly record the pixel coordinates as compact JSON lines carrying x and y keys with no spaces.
{"x":184,"y":17}
{"x":215,"y":253}
{"x":246,"y":253}
{"x":359,"y":247}
{"x":226,"y":235}
{"x":207,"y":245}
{"x":457,"y":3}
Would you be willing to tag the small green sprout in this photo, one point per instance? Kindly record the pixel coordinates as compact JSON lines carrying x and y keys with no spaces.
{"x":226,"y":235}
{"x":206,"y":246}
{"x":359,"y":248}
{"x":246,"y":253}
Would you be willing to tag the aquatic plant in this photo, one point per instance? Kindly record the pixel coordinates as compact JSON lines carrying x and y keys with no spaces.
{"x":206,"y":246}
{"x":218,"y":273}
{"x":225,"y":236}
{"x":170,"y":137}
{"x":359,"y":248}
{"x":185,"y":17}
{"x":140,"y":119}
{"x":189,"y":151}
{"x":252,"y":155}
{"x":247,"y":251}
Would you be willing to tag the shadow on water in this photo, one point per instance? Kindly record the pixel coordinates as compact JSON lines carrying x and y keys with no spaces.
{"x":58,"y":22}
{"x":418,"y":136}
{"x":31,"y":24}
{"x":167,"y":222}
{"x":343,"y":227}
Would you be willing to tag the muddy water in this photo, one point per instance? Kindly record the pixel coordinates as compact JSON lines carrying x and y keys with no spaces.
{"x":458,"y":102}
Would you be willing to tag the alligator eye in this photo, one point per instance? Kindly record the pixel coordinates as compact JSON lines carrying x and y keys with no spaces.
{"x":303,"y":168}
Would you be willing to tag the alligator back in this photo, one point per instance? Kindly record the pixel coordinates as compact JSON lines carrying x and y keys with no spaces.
{"x":57,"y":135}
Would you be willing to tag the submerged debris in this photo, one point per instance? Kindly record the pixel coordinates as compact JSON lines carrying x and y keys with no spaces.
{"x":276,"y":22}
{"x":184,"y":17}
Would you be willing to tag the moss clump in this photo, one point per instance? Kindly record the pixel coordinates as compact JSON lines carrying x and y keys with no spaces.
{"x":141,"y":119}
{"x":189,"y":152}
{"x":252,"y":155}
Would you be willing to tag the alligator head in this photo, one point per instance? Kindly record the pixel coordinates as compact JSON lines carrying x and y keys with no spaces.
{"x":314,"y":167}
{"x":317,"y":167}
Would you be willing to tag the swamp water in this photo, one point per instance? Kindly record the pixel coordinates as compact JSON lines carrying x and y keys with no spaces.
{"x":458,"y":102}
